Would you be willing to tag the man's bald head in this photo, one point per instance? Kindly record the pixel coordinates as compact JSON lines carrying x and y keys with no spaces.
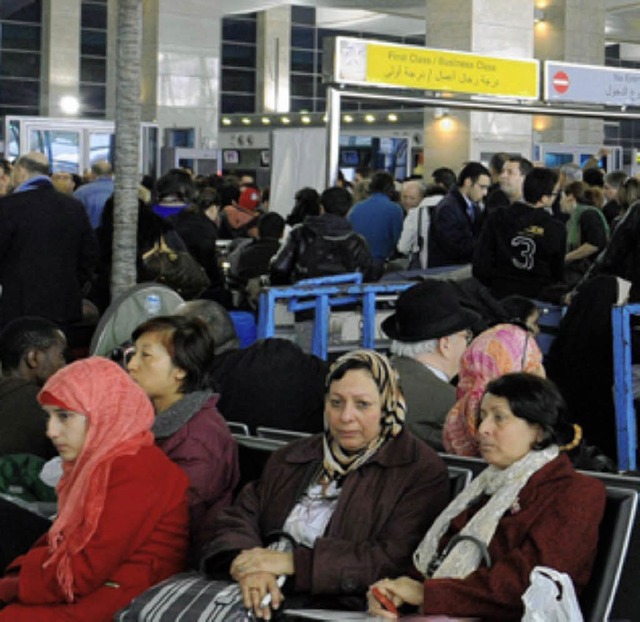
{"x":101,"y":168}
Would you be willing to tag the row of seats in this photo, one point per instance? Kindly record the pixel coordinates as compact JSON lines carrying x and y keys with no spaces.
{"x":615,"y":532}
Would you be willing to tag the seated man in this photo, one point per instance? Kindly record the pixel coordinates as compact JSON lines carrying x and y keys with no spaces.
{"x":31,"y":350}
{"x":522,"y":248}
{"x":430,"y":331}
{"x":323,"y":245}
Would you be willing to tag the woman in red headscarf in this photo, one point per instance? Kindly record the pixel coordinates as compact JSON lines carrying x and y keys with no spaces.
{"x":122,"y":522}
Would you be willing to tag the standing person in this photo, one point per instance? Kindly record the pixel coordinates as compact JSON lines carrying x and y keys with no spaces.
{"x":122,"y":520}
{"x":94,"y":195}
{"x":522,"y":248}
{"x":31,"y":351}
{"x":378,"y":219}
{"x":48,"y":250}
{"x":455,"y":224}
{"x":612,"y":183}
{"x":411,"y":194}
{"x":514,"y":171}
{"x":528,"y":508}
{"x":172,"y":362}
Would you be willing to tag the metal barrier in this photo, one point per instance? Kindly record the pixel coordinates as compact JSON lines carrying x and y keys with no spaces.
{"x":623,"y":386}
{"x":322,"y":294}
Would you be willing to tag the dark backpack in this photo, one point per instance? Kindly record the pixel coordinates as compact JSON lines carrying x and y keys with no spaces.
{"x":326,"y":255}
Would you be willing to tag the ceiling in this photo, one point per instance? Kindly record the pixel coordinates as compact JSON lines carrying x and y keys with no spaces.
{"x":407,"y":17}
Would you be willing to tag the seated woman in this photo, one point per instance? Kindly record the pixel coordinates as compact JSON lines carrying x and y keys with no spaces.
{"x":355,"y":500}
{"x":528,"y":508}
{"x":502,"y":349}
{"x":117,"y":531}
{"x":172,"y":362}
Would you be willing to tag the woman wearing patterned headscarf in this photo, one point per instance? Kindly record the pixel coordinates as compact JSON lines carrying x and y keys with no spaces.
{"x":502,"y":349}
{"x":354,"y":499}
{"x":117,"y":531}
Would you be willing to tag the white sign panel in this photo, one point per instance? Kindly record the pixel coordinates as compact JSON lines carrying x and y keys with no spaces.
{"x":588,"y":84}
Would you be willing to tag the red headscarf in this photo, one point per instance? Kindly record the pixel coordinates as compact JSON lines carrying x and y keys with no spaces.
{"x":119,"y":416}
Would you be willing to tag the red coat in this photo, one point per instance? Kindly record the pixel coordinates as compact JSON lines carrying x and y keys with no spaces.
{"x":556,"y":525}
{"x":141,"y":539}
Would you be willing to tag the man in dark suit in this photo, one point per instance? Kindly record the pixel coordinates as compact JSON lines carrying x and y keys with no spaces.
{"x":430,"y":331}
{"x":48,"y":250}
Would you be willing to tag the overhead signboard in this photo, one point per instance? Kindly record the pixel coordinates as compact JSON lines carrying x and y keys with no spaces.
{"x":376,"y":63}
{"x":589,"y":84}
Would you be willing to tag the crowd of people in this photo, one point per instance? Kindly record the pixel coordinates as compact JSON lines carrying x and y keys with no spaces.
{"x":152,"y":521}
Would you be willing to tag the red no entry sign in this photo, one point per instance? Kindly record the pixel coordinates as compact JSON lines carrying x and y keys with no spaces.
{"x":560,"y":82}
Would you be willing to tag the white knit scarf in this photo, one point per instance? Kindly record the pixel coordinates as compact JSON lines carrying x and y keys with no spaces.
{"x":503,"y":485}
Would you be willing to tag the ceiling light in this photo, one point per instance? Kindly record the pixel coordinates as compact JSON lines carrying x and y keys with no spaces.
{"x":69,"y":104}
{"x":392,"y":117}
{"x":347,"y":118}
{"x":246,"y":120}
{"x":266,"y":121}
{"x":538,"y":16}
{"x":285,"y":120}
{"x":306,"y":119}
{"x":369,"y":118}
{"x":226,"y":121}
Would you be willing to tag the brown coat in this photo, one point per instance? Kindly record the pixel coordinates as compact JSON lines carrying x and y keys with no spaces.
{"x":383,"y":510}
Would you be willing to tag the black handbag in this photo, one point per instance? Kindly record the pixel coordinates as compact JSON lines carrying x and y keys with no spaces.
{"x":175,"y":269}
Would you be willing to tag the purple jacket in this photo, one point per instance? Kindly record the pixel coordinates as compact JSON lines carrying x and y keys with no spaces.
{"x":205,"y":450}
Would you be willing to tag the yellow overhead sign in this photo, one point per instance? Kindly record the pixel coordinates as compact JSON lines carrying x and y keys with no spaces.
{"x":381,"y":64}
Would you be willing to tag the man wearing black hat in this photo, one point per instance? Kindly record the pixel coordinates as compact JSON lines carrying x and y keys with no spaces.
{"x":430,"y":331}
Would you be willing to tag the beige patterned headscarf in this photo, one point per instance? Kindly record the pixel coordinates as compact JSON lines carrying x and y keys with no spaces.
{"x":337,"y":463}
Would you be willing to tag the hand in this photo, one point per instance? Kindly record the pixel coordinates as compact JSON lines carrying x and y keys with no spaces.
{"x":403,"y":590}
{"x":261,"y":560}
{"x":255,"y":587}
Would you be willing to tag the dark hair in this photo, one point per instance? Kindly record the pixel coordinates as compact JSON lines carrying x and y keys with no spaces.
{"x":472,"y":170}
{"x":229,"y":193}
{"x":24,"y":334}
{"x":580,"y":191}
{"x":518,"y":309}
{"x":593,"y":177}
{"x":534,"y":399}
{"x":338,"y":372}
{"x":206,"y":198}
{"x":381,"y":181}
{"x":176,"y":182}
{"x":190,"y":345}
{"x":270,"y":225}
{"x":217,"y":319}
{"x":5,"y":165}
{"x":32,"y":166}
{"x":524,"y":165}
{"x":444,"y":176}
{"x":629,"y":192}
{"x":538,"y":183}
{"x":496,"y":163}
{"x":307,"y":204}
{"x":336,"y":200}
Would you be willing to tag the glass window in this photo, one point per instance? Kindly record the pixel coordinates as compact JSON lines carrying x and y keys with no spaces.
{"x":20,"y":65}
{"x":93,"y":97}
{"x":234,"y":29}
{"x":235,"y":55}
{"x":94,"y":15}
{"x":302,"y":37}
{"x":239,"y":81}
{"x":62,"y":147}
{"x":101,"y":147}
{"x":303,"y":15}
{"x":93,"y":43}
{"x":21,"y":10}
{"x":19,"y":37}
{"x":301,"y":85}
{"x":302,"y":61}
{"x":237,"y":103}
{"x":93,"y":70}
{"x":298,"y":104}
{"x":19,"y":92}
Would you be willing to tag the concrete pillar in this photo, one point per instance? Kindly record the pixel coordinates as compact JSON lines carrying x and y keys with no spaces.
{"x":573,"y":31}
{"x":273,"y":60}
{"x":60,"y":54}
{"x":181,"y":66}
{"x":500,"y":28}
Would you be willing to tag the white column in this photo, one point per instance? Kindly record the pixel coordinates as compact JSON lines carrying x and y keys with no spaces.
{"x":273,"y":60}
{"x":60,"y":54}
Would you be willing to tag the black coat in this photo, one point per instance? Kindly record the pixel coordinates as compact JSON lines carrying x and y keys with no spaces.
{"x":452,"y":234}
{"x":48,"y":253}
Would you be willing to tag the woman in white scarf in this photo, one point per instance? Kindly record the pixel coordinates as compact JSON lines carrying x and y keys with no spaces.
{"x":524,"y":510}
